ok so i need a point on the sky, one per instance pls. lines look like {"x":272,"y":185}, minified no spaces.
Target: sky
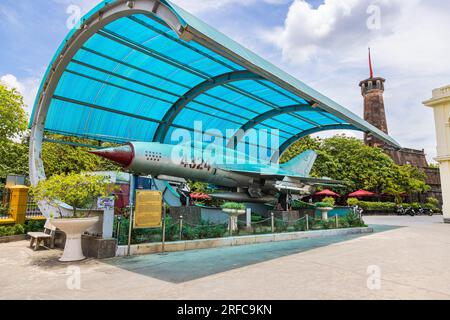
{"x":322,"y":42}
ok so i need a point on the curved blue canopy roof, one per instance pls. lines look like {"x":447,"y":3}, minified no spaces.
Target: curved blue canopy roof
{"x":137,"y":70}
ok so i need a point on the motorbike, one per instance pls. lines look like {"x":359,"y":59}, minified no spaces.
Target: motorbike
{"x":426,"y":212}
{"x":406,"y":212}
{"x":358,"y":210}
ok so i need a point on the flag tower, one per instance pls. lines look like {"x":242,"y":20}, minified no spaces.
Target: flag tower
{"x":372,"y":89}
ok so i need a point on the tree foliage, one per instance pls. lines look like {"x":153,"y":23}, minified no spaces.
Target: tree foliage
{"x":13,"y":158}
{"x":359,"y":166}
{"x":77,"y":190}
{"x":13,"y":122}
{"x":13,"y":116}
{"x":63,"y":159}
{"x":58,"y":158}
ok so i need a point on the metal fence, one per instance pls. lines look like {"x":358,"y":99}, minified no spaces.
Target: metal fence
{"x":182,"y":230}
{"x":33,"y":211}
{"x":4,"y":204}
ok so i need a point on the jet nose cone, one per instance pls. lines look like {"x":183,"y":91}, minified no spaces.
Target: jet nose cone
{"x":123,"y":155}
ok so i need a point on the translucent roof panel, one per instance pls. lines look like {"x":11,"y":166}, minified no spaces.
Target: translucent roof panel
{"x":141,"y":69}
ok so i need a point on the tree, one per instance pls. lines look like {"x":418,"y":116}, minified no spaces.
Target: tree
{"x":13,"y":158}
{"x":13,"y":146}
{"x":12,"y":114}
{"x":307,"y":143}
{"x":359,"y":166}
{"x":60,"y":158}
{"x":77,"y":190}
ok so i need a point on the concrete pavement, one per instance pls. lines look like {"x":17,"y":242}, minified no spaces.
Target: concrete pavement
{"x":409,"y":254}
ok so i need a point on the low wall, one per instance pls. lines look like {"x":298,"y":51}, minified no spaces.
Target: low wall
{"x":380,"y":213}
{"x":339,"y":211}
{"x":8,"y":239}
{"x":236,"y":241}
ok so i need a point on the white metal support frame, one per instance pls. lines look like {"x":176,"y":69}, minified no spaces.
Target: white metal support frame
{"x":92,"y":25}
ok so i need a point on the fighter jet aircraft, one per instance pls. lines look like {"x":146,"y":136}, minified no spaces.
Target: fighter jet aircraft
{"x":247,"y":179}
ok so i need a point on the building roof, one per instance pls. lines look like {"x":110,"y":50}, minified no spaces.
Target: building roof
{"x":138,"y":70}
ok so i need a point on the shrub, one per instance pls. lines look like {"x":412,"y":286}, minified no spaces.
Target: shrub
{"x":172,"y":229}
{"x":298,"y":205}
{"x":301,"y":224}
{"x":77,"y":190}
{"x":326,"y":224}
{"x":433,"y":204}
{"x":256,"y":218}
{"x":323,"y":205}
{"x":352,"y":202}
{"x":377,"y":206}
{"x":281,"y":226}
{"x":352,"y":220}
{"x":7,"y":231}
{"x":189,"y":233}
{"x":343,"y":223}
{"x":17,"y":229}
{"x":414,"y":205}
{"x":2,"y":231}
{"x":233,"y":206}
{"x":138,"y":235}
{"x":385,"y":206}
{"x":205,"y":230}
{"x":34,"y":226}
{"x":329,"y":200}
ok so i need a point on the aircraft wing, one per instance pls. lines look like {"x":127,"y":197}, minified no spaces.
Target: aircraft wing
{"x":322,"y":182}
{"x":253,"y":170}
{"x":271,"y":172}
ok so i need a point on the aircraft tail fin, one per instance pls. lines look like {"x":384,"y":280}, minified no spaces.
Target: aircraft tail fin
{"x":302,"y":164}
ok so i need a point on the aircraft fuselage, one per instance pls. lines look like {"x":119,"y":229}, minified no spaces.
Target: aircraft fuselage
{"x":161,"y":159}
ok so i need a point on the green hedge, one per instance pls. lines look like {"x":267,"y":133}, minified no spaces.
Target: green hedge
{"x":323,"y":205}
{"x":377,"y":206}
{"x":389,"y":206}
{"x":298,"y":205}
{"x":12,"y":230}
{"x":350,"y":220}
{"x":233,"y":206}
{"x":204,"y":230}
{"x":18,"y":229}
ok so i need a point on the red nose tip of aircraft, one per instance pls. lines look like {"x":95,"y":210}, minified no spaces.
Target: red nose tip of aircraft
{"x":123,"y":155}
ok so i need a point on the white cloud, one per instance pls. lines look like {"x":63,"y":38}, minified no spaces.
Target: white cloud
{"x":337,"y":24}
{"x":327,"y":48}
{"x":28,"y":88}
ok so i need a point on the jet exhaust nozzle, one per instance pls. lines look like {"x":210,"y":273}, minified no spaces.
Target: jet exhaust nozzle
{"x":123,"y":155}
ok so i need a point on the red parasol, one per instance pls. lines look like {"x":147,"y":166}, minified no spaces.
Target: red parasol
{"x":200,"y":196}
{"x":327,"y":193}
{"x":361,"y":194}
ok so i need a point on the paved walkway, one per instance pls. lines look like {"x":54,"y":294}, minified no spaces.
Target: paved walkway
{"x":411,"y":255}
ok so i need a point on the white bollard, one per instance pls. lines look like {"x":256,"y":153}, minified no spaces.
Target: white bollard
{"x":249,"y":218}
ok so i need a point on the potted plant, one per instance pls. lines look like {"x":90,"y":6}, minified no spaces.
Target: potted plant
{"x":80,"y":191}
{"x":325,"y":207}
{"x":233,"y":210}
